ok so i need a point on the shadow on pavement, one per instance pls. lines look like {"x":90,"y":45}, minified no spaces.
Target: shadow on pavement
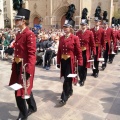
{"x":47,"y":95}
{"x":111,"y":104}
{"x":48,"y":78}
{"x":5,"y":111}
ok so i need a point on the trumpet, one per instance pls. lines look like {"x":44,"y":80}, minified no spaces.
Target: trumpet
{"x":26,"y":96}
{"x":112,"y":47}
{"x":76,"y":72}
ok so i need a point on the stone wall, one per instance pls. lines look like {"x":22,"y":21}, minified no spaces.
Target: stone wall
{"x":52,"y":11}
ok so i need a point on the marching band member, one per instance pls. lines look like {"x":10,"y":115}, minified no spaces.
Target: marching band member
{"x":98,"y":33}
{"x":86,"y":42}
{"x":25,"y":48}
{"x":69,"y":47}
{"x":113,"y":47}
{"x":118,"y":35}
{"x":108,"y":36}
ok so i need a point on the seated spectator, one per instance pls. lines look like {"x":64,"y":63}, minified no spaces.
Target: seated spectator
{"x":42,"y":45}
{"x":38,"y":39}
{"x":10,"y":49}
{"x":5,"y":42}
{"x":0,"y":41}
{"x":51,"y":52}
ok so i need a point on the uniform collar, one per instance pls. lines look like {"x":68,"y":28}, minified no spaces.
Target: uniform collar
{"x":22,"y":30}
{"x":84,"y":30}
{"x":97,"y":28}
{"x":68,"y":35}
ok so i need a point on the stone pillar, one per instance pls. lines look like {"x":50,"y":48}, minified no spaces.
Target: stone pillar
{"x":111,"y":11}
{"x":81,"y":7}
{"x":1,"y":14}
{"x":26,"y":5}
{"x":51,"y":19}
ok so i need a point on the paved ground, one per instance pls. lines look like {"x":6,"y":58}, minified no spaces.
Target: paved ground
{"x":99,"y":99}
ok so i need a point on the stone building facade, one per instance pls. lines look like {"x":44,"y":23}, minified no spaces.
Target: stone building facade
{"x":1,"y":14}
{"x":51,"y":13}
{"x":9,"y":13}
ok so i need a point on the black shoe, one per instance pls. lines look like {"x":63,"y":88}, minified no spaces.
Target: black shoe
{"x":110,"y":62}
{"x":96,"y":75}
{"x":82,"y":83}
{"x":103,"y":66}
{"x":31,"y":111}
{"x":62,"y":102}
{"x":70,"y":94}
{"x":92,"y":74}
{"x":21,"y":118}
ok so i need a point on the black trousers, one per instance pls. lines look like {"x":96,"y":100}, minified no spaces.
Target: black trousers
{"x":67,"y":85}
{"x":111,"y":57}
{"x":83,"y":71}
{"x":105,"y":55}
{"x":21,"y":103}
{"x":48,"y":56}
{"x":96,"y":63}
{"x":22,"y":106}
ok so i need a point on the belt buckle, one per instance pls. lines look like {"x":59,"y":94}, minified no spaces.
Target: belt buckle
{"x":83,"y":48}
{"x":96,"y":45}
{"x":106,"y":41}
{"x":65,"y":57}
{"x":17,"y":60}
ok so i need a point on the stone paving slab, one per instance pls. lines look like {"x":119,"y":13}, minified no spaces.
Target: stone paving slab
{"x":99,"y":99}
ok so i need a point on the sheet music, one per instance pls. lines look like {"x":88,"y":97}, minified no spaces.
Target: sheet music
{"x":16,"y":86}
{"x":72,"y":75}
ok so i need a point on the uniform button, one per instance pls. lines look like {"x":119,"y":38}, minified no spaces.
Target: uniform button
{"x":31,"y":34}
{"x":63,"y":49}
{"x":17,"y":55}
{"x":31,"y":38}
{"x":63,"y":45}
{"x":66,"y":53}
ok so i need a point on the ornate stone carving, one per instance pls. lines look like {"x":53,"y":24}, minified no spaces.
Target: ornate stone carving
{"x":35,"y":6}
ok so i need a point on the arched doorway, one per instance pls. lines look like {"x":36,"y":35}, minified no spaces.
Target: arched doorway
{"x":36,"y":21}
{"x":63,"y":20}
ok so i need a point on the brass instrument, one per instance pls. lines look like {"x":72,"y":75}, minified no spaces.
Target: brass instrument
{"x":92,"y":61}
{"x":112,"y":47}
{"x":76,"y":72}
{"x":26,"y":96}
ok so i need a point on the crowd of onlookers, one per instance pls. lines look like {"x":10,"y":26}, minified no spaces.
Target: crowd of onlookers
{"x":47,"y":42}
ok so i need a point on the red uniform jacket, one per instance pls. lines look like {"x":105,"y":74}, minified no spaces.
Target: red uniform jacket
{"x":115,"y":33}
{"x":108,"y":36}
{"x":70,"y":46}
{"x":25,"y":47}
{"x":118,"y":35}
{"x":99,"y":40}
{"x":87,"y":40}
